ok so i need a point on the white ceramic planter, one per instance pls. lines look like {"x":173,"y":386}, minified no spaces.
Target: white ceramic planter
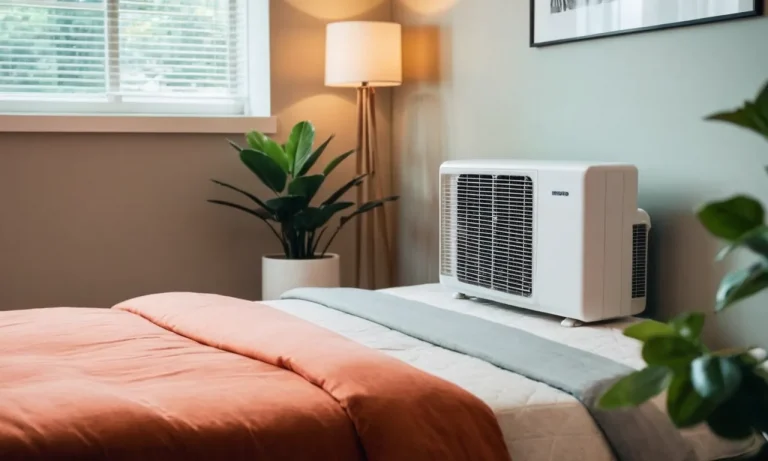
{"x":279,"y":275}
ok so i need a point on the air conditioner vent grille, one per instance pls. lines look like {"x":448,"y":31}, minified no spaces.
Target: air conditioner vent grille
{"x":494,"y":232}
{"x":639,"y":260}
{"x":447,"y":228}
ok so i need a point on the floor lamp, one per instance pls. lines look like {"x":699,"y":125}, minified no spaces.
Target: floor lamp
{"x":366,"y":55}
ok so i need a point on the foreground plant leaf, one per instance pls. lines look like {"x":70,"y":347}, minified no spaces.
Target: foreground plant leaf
{"x":716,"y":378}
{"x":732,"y":218}
{"x":731,"y":419}
{"x":636,"y":388}
{"x":648,"y":329}
{"x":752,"y":115}
{"x":685,"y":406}
{"x":742,"y":284}
{"x":756,"y":240}
{"x":673,"y":351}
{"x":689,"y":325}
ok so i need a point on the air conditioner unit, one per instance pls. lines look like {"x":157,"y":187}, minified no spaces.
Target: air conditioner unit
{"x":557,"y":237}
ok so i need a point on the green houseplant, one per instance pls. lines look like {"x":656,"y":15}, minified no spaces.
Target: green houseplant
{"x":727,"y":389}
{"x":297,"y":220}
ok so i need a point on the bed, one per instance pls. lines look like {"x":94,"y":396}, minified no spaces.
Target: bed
{"x":243,"y":400}
{"x":538,"y":422}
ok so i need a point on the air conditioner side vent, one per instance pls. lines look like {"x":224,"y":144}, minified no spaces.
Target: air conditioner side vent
{"x":639,"y":260}
{"x":447,"y":225}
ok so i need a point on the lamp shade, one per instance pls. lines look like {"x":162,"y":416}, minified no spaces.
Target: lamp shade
{"x":360,"y":52}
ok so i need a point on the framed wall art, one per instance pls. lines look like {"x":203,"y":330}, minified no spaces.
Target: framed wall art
{"x":560,"y":21}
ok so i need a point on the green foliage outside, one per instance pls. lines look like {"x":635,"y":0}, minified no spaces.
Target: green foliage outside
{"x":164,"y":46}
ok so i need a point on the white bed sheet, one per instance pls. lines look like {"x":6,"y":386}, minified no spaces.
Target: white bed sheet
{"x":539,"y":423}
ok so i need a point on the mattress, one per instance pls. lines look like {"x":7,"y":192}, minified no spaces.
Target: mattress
{"x":539,"y":423}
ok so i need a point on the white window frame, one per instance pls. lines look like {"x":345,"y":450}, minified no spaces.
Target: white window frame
{"x":84,"y":117}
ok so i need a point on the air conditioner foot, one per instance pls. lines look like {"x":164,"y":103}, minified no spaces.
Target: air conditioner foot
{"x":571,"y":323}
{"x":460,"y":296}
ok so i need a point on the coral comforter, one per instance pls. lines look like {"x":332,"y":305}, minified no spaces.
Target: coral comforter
{"x":185,"y":376}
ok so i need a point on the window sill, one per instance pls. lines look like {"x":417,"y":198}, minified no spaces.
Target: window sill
{"x":134,"y":124}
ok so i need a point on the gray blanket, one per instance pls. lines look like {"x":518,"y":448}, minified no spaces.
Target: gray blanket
{"x":638,"y":434}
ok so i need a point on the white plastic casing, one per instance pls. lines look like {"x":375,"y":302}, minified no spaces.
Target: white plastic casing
{"x":583,"y":221}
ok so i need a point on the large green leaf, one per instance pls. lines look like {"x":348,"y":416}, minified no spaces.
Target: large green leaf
{"x":299,"y":145}
{"x":762,"y":101}
{"x":344,"y":189}
{"x":336,"y":162}
{"x":265,"y":168}
{"x":256,"y":140}
{"x":689,"y":325}
{"x":366,"y":207}
{"x":264,"y":215}
{"x":636,"y":388}
{"x":672,"y":351}
{"x":277,"y":154}
{"x":306,"y":186}
{"x":732,"y":218}
{"x":313,"y":218}
{"x":742,"y":284}
{"x":752,"y":115}
{"x":759,"y":119}
{"x":286,"y":207}
{"x":756,"y":240}
{"x":247,"y":194}
{"x":685,"y":406}
{"x":716,"y":378}
{"x":260,"y":142}
{"x":309,"y":219}
{"x":309,"y":162}
{"x":747,"y":117}
{"x":648,"y":329}
{"x":235,"y":145}
{"x":334,"y":208}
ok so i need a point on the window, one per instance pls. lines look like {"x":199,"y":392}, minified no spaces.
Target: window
{"x":172,"y":57}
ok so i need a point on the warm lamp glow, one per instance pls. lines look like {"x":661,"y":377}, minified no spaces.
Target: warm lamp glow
{"x":429,"y":7}
{"x":359,"y":52}
{"x":421,"y":54}
{"x":335,"y":10}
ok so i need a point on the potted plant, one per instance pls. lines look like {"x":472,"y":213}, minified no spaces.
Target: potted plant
{"x":290,"y":214}
{"x":727,"y":389}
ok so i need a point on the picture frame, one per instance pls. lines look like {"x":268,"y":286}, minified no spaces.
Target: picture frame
{"x":568,"y":12}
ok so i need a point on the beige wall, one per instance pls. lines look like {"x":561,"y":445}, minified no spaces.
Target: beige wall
{"x":637,"y":98}
{"x":92,"y":219}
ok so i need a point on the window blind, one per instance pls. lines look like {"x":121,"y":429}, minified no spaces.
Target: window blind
{"x":125,"y":56}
